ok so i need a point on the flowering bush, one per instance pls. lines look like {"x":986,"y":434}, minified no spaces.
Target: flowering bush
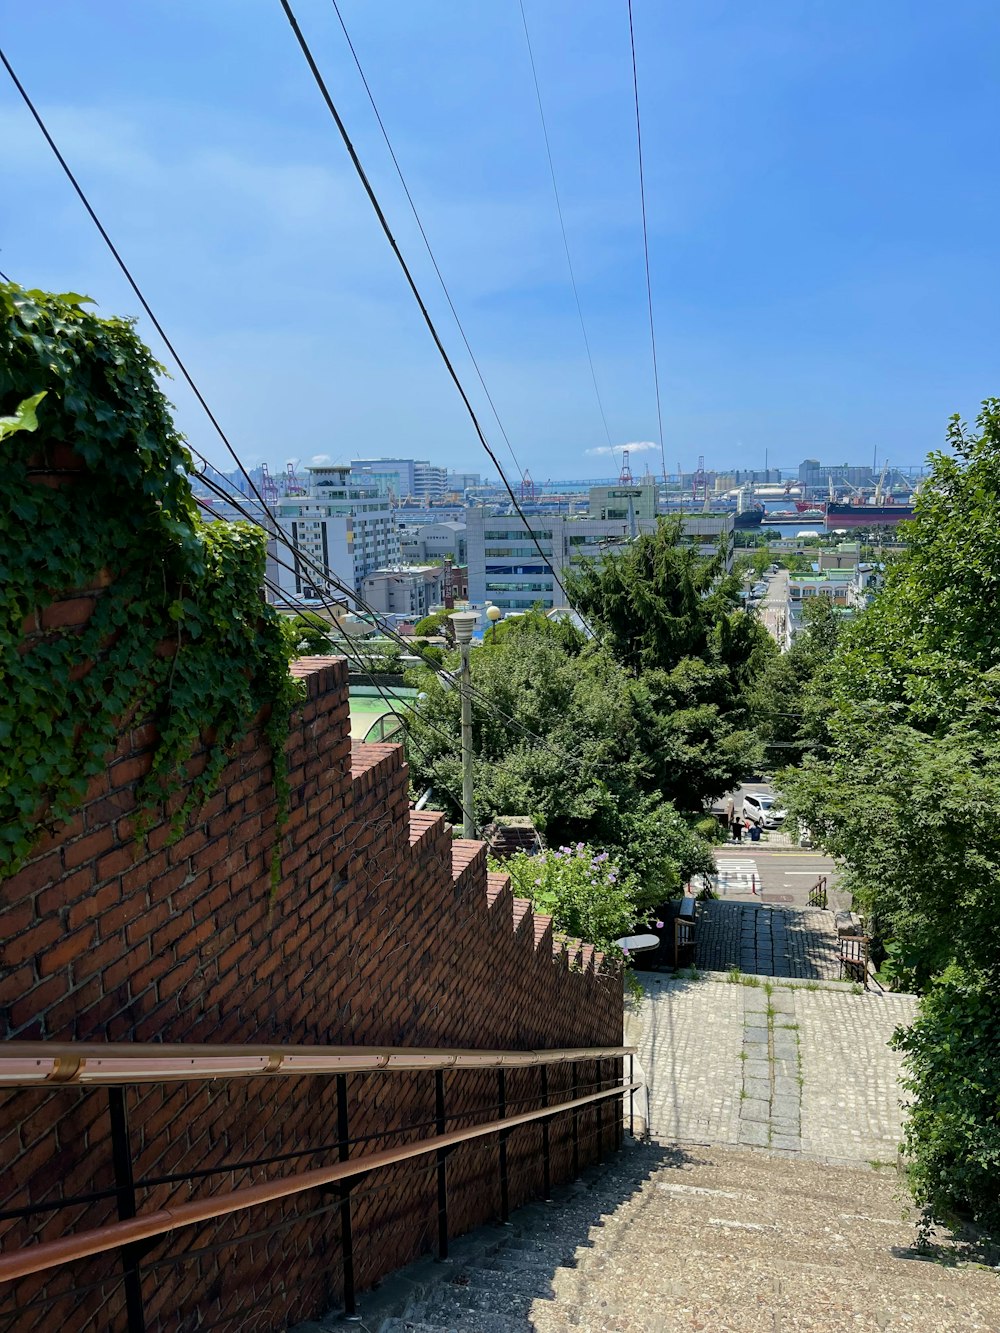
{"x":585,"y":893}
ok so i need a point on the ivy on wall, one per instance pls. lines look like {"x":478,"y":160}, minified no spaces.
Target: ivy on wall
{"x":179,"y":637}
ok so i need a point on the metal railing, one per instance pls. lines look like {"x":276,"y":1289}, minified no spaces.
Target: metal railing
{"x":34,"y":1065}
{"x":818,"y":893}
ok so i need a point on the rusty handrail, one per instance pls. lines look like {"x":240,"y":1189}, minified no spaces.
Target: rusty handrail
{"x":31,"y":1064}
{"x":51,"y":1253}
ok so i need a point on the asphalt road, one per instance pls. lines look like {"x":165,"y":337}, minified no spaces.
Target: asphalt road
{"x":774,"y":607}
{"x":751,"y":871}
{"x":776,"y":866}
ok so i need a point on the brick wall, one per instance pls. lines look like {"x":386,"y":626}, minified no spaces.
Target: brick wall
{"x":383,"y":930}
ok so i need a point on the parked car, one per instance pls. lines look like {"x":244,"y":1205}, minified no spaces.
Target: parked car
{"x":763,"y":810}
{"x":759,"y":590}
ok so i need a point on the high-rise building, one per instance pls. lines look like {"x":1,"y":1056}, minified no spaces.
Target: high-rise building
{"x":346,"y":529}
{"x":403,"y":478}
{"x":505,"y":566}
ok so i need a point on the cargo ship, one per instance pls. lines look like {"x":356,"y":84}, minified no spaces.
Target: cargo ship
{"x":846,"y":515}
{"x":752,"y":517}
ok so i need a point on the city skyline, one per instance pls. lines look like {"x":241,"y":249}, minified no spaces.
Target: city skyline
{"x":817,"y":290}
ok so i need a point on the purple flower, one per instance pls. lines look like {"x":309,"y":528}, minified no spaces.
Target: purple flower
{"x":659,"y":924}
{"x":579,"y":846}
{"x":625,"y":951}
{"x":612,"y":878}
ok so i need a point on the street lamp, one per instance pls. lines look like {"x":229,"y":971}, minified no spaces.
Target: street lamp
{"x":463,"y":623}
{"x":493,"y":614}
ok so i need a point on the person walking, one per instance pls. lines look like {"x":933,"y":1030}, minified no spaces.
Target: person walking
{"x":732,"y":821}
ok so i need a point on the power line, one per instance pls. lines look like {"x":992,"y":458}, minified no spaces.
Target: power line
{"x":328,"y":577}
{"x":126,"y":271}
{"x":176,"y":356}
{"x":645,"y":243}
{"x":562,"y":228}
{"x":278,"y":530}
{"x":427,"y":244}
{"x":383,"y":223}
{"x":352,"y":654}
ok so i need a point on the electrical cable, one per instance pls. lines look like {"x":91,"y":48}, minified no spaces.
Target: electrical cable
{"x":562,"y":228}
{"x":432,"y":329}
{"x":427,"y":244}
{"x":196,"y":391}
{"x":354,"y":656}
{"x":278,"y":530}
{"x":645,"y":244}
{"x":126,"y":271}
{"x":386,"y":629}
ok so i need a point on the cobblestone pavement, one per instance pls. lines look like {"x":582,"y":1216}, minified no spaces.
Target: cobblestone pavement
{"x":690,"y":1034}
{"x":850,"y":1098}
{"x":772,"y":1066}
{"x":768,"y":940}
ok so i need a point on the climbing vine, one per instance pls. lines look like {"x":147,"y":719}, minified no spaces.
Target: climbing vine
{"x":179,"y":635}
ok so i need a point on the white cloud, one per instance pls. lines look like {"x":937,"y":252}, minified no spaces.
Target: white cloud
{"x":635,"y":447}
{"x":319,"y":459}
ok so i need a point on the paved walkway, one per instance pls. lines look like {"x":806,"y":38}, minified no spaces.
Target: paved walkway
{"x":771,"y":940}
{"x":767,"y":1065}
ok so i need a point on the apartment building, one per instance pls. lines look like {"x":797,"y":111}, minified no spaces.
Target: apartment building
{"x":407,"y":592}
{"x":347,"y":529}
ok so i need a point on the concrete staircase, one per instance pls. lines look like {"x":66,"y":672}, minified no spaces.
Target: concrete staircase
{"x":725,"y":1240}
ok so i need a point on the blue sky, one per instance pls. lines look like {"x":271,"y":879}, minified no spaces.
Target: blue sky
{"x":823,"y":186}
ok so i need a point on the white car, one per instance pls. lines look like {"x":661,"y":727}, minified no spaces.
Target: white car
{"x":763,"y":810}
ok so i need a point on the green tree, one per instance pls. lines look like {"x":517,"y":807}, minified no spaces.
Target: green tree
{"x":308,"y":635}
{"x":672,"y":618}
{"x":597,"y":776}
{"x":906,"y":795}
{"x":435,"y":623}
{"x":790,"y":699}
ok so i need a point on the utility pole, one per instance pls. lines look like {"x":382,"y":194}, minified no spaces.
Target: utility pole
{"x":464,"y":621}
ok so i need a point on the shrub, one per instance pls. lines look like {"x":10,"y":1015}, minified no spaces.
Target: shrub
{"x":952,"y":1135}
{"x":584,"y":892}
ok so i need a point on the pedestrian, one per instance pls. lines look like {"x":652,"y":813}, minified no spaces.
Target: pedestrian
{"x":730,"y":817}
{"x":737,"y":830}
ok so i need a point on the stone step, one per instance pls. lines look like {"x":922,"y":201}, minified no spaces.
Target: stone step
{"x":475,"y":1311}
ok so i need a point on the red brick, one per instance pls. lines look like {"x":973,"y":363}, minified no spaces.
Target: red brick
{"x":88,"y":848}
{"x":40,"y":937}
{"x":74,"y":611}
{"x":37,"y":874}
{"x":68,"y":950}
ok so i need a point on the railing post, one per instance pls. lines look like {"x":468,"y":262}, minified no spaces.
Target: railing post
{"x":619,"y":1121}
{"x":442,"y":1166}
{"x":502,"y":1111}
{"x":546,"y":1160}
{"x":346,"y":1232}
{"x":600,"y":1111}
{"x":576,"y":1126}
{"x":631,"y":1096}
{"x":121,"y":1152}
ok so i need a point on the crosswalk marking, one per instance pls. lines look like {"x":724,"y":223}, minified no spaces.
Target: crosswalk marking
{"x":737,"y":874}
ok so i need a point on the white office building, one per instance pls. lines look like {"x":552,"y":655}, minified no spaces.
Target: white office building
{"x":505,"y":566}
{"x":401,"y":478}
